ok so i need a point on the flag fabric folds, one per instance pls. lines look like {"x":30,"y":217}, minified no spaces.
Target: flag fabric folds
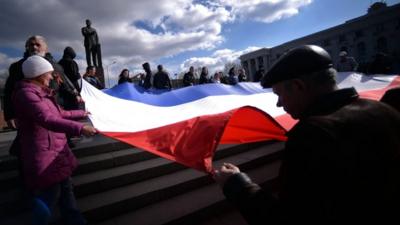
{"x":186,"y":125}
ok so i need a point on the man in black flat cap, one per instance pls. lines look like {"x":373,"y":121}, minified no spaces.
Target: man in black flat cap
{"x":341,"y":162}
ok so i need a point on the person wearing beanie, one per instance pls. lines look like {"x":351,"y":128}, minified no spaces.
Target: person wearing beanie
{"x":34,"y":45}
{"x":341,"y":161}
{"x":35,"y":66}
{"x":47,"y":161}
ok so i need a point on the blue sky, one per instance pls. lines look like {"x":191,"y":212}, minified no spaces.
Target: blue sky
{"x":176,"y":33}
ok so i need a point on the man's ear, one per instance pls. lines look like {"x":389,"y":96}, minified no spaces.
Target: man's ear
{"x":299,"y":85}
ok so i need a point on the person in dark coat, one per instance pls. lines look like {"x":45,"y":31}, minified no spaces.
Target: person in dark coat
{"x":68,"y":95}
{"x":232,"y":77}
{"x":90,"y":77}
{"x":71,"y":69}
{"x":204,"y":76}
{"x":242,"y":75}
{"x":341,"y":162}
{"x":188,"y":78}
{"x":346,"y":63}
{"x":161,"y":79}
{"x":65,"y":93}
{"x":34,"y":45}
{"x":147,"y":79}
{"x":124,"y":77}
{"x":46,"y":159}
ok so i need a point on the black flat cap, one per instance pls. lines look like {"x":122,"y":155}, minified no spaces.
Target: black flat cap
{"x":296,"y":63}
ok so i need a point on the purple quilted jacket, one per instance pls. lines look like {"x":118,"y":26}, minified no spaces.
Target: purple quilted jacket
{"x":42,"y":126}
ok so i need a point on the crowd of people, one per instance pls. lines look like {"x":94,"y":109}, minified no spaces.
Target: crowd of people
{"x":161,"y":79}
{"x":380,"y":64}
{"x":341,"y":162}
{"x":43,"y":103}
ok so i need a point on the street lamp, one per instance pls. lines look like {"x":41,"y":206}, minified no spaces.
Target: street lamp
{"x":108,"y":73}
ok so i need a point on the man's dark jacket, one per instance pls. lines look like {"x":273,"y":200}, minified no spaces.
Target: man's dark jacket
{"x":66,"y":92}
{"x":188,"y":79}
{"x":161,"y":80}
{"x":341,"y":165}
{"x":70,"y":67}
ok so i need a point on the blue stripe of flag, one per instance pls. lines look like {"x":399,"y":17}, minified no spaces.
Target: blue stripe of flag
{"x":154,"y":97}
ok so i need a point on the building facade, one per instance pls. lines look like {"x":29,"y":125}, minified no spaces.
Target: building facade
{"x":363,"y":37}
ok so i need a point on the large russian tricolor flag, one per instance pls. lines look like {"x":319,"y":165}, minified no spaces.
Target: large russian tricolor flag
{"x":186,"y":125}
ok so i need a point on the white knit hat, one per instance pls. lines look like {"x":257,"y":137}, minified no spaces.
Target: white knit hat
{"x":35,"y":66}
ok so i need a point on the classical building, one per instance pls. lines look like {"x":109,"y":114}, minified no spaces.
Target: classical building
{"x":363,"y":37}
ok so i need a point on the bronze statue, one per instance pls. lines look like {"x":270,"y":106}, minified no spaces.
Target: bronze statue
{"x":92,"y":45}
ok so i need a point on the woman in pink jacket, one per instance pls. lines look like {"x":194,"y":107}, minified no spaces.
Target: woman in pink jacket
{"x":46,"y":158}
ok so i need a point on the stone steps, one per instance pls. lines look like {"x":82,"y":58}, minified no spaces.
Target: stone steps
{"x":192,"y":206}
{"x":115,"y":180}
{"x":130,"y":197}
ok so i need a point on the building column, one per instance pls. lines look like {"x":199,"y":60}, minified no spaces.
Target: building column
{"x":257,"y":65}
{"x":250,"y":70}
{"x":266,"y":64}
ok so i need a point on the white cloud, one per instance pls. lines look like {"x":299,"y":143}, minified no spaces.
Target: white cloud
{"x":174,"y":27}
{"x":5,"y":63}
{"x":198,"y":17}
{"x":266,"y":11}
{"x":217,"y":60}
{"x":60,"y":23}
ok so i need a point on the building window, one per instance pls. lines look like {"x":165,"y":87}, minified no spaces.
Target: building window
{"x":359,"y":34}
{"x":381,"y":45}
{"x":260,"y":60}
{"x":252,"y":62}
{"x":342,"y":38}
{"x":379,"y":29}
{"x":361,"y":51}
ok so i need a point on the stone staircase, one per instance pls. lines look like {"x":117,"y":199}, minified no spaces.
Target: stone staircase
{"x":120,"y":185}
